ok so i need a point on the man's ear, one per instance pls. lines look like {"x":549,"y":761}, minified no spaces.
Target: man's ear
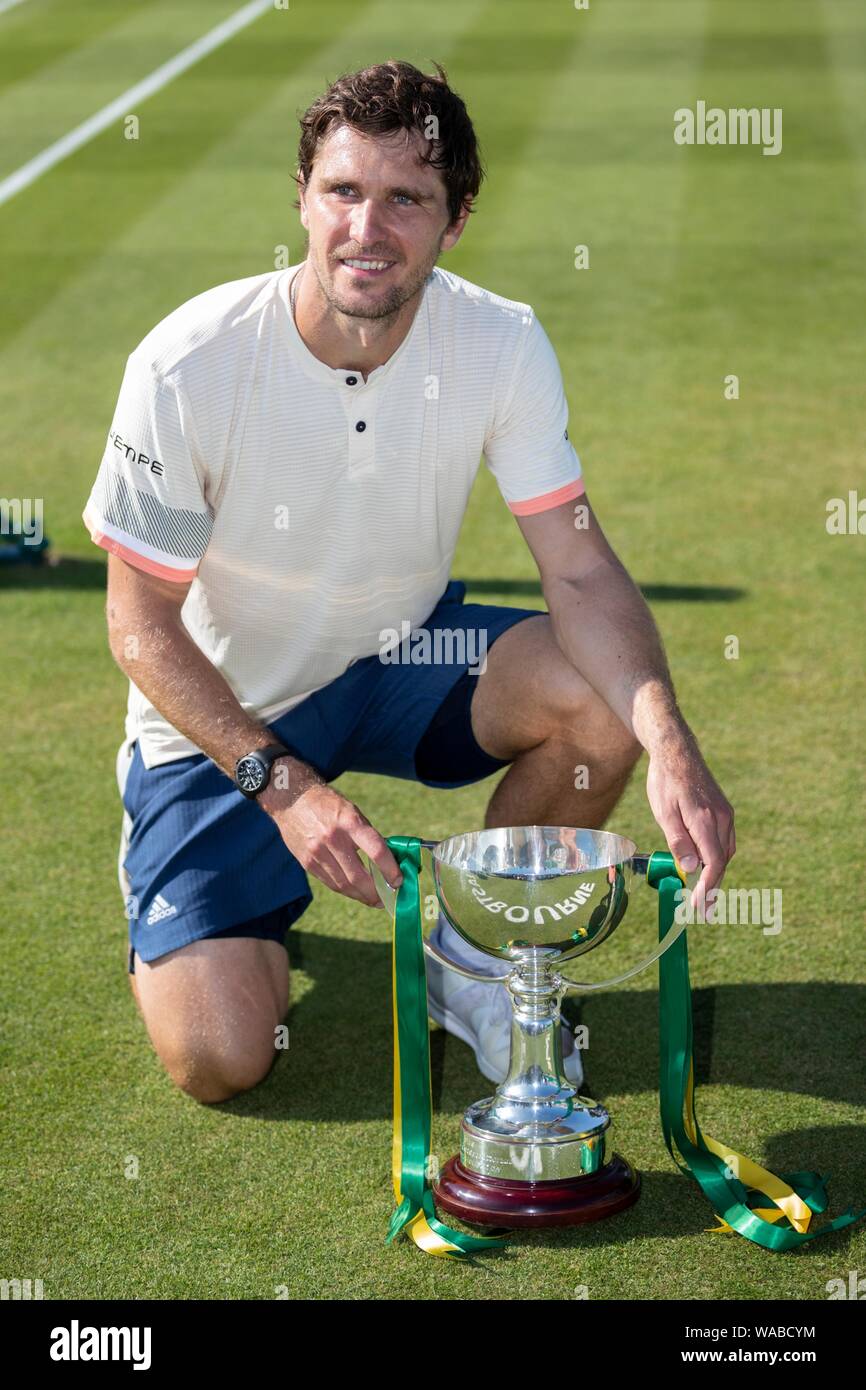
{"x":453,"y":233}
{"x":302,"y":197}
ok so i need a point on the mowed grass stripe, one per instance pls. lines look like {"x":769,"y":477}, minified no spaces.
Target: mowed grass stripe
{"x":53,"y":231}
{"x":46,"y":32}
{"x":782,"y":307}
{"x":91,"y":71}
{"x":845,"y":37}
{"x":120,"y":106}
{"x":586,"y":165}
{"x":767,"y":270}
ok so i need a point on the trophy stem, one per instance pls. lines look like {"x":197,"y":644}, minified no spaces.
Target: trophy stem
{"x":535,"y":1070}
{"x":537,"y":1152}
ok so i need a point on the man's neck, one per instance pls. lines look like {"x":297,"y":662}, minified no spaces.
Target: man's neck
{"x":344,"y":341}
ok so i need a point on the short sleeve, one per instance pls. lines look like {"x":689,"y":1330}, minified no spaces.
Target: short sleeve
{"x":528,"y":449}
{"x":148,"y":503}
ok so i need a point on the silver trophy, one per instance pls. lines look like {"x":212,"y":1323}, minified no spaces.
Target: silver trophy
{"x":537,"y":899}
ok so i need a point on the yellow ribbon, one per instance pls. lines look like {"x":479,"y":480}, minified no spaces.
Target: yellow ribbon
{"x":751,"y":1174}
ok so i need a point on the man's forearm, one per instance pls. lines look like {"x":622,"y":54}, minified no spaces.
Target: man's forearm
{"x":604,"y":627}
{"x":161,"y":659}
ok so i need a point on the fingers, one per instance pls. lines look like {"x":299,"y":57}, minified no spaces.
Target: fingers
{"x":370,"y":841}
{"x":710,"y":852}
{"x":355,"y":832}
{"x":323,"y":866}
{"x":330,"y":846}
{"x":704,"y":835}
{"x":335,"y":861}
{"x":680,"y":842}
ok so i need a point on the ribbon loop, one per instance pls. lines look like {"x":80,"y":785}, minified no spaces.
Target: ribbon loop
{"x":725,"y":1176}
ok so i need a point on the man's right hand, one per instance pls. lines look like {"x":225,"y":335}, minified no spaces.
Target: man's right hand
{"x":324,"y":831}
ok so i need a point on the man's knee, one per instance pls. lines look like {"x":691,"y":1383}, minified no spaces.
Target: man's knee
{"x":588,"y":724}
{"x":622,"y":748}
{"x":216,"y":1073}
{"x":214,"y":1010}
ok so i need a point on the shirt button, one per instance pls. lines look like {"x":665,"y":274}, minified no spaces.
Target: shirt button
{"x":360,"y":427}
{"x":351,"y":381}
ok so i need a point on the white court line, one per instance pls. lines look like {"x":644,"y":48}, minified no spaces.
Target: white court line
{"x":9,"y":5}
{"x":121,"y":106}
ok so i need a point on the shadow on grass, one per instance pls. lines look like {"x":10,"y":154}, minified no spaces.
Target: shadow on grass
{"x":72,"y":572}
{"x":672,"y":1204}
{"x":799,"y":1039}
{"x":803,"y":1039}
{"x":69,"y":572}
{"x":653,"y":593}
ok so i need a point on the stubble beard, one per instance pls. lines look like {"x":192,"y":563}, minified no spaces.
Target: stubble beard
{"x":384,"y":306}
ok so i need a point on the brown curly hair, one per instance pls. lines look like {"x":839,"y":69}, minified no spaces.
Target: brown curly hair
{"x":397,"y":96}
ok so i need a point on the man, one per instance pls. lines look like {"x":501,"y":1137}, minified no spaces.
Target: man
{"x":281,"y":494}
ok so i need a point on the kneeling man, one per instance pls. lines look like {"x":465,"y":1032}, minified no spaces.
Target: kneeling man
{"x":281,"y":494}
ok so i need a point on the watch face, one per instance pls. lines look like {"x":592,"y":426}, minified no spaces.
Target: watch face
{"x":250,"y":774}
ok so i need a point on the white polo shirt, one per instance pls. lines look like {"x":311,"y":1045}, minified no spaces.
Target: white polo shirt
{"x":313,"y":510}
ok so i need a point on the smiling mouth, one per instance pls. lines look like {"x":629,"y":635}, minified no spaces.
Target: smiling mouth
{"x":366,"y":267}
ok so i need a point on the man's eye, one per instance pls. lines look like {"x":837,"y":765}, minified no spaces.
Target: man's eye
{"x":349,"y":188}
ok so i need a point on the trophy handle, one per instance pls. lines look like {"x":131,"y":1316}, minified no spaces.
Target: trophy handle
{"x":464,"y":970}
{"x":574,"y":987}
{"x":639,"y":865}
{"x":388,"y":896}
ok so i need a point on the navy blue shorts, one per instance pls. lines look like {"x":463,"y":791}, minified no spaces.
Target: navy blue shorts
{"x":203,"y":860}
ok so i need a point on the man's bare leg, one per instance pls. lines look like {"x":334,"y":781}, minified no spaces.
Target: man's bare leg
{"x":212,"y":1010}
{"x":533,"y":706}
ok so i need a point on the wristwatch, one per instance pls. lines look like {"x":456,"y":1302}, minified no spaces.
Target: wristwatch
{"x":253,"y":772}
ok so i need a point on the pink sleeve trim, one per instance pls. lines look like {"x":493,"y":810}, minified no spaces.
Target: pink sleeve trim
{"x":548,"y":499}
{"x":132,"y":557}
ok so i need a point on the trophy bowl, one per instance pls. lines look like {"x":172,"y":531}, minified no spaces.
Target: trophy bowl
{"x":533,"y":898}
{"x":557,"y":890}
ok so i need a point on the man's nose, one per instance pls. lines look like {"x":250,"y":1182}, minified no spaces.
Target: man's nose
{"x":366,"y":224}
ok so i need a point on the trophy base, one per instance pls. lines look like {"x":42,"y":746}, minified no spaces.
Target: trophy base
{"x":482,"y":1201}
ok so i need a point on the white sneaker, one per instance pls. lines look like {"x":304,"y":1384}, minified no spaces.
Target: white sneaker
{"x":480,"y":1015}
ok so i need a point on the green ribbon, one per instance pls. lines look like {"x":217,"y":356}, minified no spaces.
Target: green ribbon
{"x":728,"y":1195}
{"x":412,"y":1048}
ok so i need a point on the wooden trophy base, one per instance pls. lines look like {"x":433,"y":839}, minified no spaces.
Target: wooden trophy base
{"x":482,"y":1201}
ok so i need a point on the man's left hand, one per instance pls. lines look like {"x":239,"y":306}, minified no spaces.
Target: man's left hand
{"x":693,"y":812}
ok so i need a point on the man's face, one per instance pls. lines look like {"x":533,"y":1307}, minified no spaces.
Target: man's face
{"x":370,"y":199}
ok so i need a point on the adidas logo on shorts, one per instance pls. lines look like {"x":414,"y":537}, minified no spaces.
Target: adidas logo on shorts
{"x":160,"y":909}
